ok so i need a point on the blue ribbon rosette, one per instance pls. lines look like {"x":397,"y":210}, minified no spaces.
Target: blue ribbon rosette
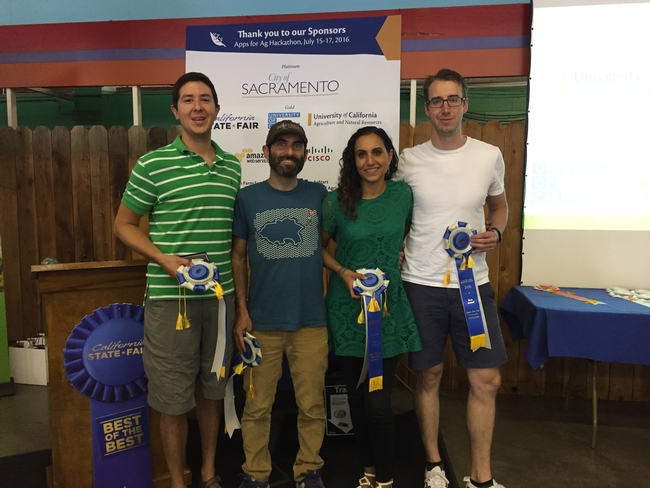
{"x":201,"y":276}
{"x":373,"y":300}
{"x":458,"y":246}
{"x":251,"y":358}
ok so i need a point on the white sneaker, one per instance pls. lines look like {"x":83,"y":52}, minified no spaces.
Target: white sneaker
{"x":435,"y":478}
{"x":469,"y":484}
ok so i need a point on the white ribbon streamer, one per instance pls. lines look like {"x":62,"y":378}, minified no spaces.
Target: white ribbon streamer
{"x":218,"y":365}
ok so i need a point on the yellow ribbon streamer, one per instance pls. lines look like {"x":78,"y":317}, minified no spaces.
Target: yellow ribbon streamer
{"x":218,"y":290}
{"x":376,"y":383}
{"x":477,"y":341}
{"x":182,"y":321}
{"x":447,"y":278}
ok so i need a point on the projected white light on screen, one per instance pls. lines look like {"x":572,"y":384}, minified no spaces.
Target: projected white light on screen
{"x":588,"y":163}
{"x":587,"y":189}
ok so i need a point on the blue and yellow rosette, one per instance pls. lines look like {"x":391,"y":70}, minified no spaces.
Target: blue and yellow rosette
{"x":202,"y":276}
{"x":459,"y":247}
{"x":251,"y":358}
{"x":373,"y":301}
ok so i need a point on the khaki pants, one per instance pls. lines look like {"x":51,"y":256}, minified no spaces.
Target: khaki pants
{"x":306,"y":350}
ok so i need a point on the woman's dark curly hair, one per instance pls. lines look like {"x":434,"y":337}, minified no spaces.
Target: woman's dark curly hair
{"x":349,"y":179}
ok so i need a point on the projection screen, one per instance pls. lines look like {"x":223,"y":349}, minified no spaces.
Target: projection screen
{"x":587,"y":188}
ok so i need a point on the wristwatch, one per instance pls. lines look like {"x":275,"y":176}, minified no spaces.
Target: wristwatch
{"x":498,"y":232}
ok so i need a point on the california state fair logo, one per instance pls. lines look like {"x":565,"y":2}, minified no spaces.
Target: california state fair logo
{"x":103,"y":355}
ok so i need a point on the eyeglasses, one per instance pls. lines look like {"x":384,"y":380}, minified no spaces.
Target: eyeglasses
{"x":453,"y":101}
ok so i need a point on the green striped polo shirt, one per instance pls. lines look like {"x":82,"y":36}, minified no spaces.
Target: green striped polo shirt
{"x":190,"y":207}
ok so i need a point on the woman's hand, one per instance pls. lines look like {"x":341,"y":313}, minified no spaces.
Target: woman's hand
{"x":347,"y":277}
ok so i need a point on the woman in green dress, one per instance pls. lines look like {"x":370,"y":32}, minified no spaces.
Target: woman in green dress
{"x":368,"y":216}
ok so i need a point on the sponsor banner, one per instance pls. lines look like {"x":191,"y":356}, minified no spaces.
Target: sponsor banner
{"x":340,"y":36}
{"x":332,"y":76}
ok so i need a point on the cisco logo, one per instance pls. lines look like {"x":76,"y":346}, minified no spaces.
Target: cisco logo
{"x":319,"y":154}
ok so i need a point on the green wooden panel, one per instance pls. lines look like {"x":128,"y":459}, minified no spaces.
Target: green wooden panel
{"x":94,"y":106}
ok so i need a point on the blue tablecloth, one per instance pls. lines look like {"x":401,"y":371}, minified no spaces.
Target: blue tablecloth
{"x":618,"y":331}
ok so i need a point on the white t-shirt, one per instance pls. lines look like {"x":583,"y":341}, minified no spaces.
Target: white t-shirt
{"x":448,"y":187}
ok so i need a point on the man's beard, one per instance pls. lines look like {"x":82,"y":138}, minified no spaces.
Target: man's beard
{"x":286,"y":172}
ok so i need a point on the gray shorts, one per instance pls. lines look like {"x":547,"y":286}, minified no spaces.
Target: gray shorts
{"x":439,"y":313}
{"x":179,"y":361}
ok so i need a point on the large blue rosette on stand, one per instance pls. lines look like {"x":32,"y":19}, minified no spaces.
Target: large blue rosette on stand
{"x":103,"y":361}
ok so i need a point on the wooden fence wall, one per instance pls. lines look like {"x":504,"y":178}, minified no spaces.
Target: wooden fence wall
{"x":60,"y":190}
{"x":59,"y":193}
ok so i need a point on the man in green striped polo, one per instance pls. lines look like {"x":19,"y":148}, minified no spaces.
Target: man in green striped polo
{"x":188,"y":191}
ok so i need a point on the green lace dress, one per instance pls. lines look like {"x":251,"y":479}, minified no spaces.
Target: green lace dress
{"x":373,"y":240}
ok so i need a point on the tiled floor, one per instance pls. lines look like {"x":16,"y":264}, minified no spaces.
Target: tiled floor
{"x":536,"y":444}
{"x":24,"y":421}
{"x":539,"y":445}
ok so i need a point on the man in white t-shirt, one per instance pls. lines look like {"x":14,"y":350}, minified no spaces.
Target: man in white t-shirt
{"x":452,"y":176}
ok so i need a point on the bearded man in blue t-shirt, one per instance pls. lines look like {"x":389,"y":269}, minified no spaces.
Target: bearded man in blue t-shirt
{"x":276,"y":230}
